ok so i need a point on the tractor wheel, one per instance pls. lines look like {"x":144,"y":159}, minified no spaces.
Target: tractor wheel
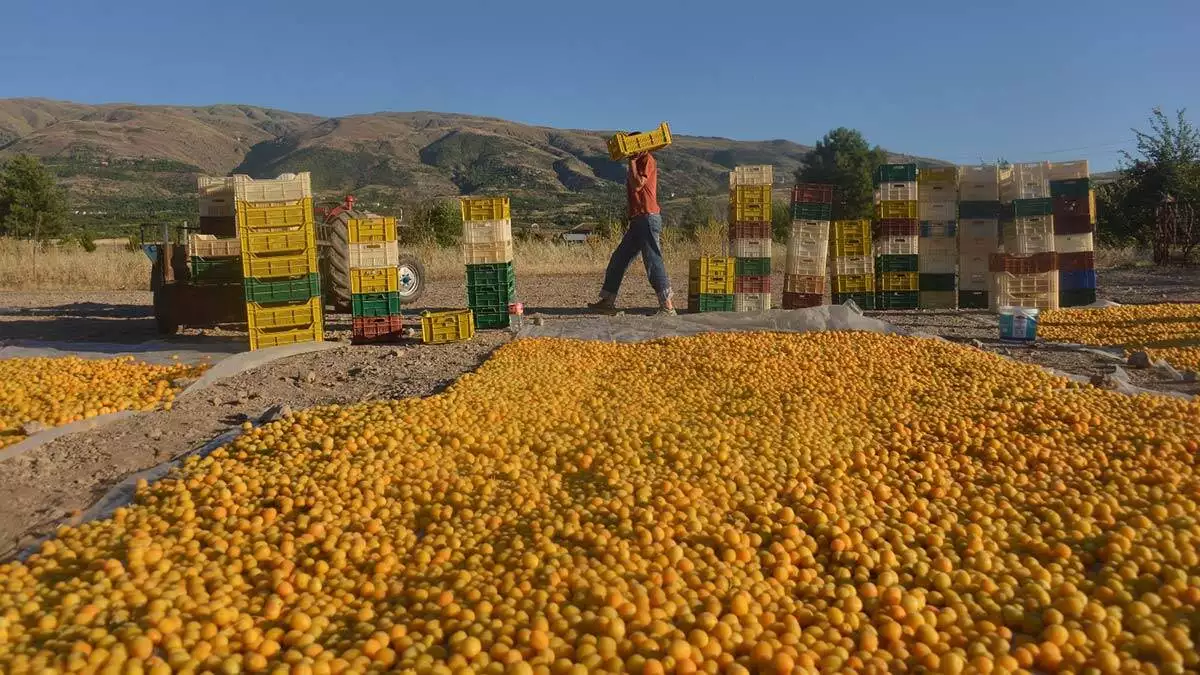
{"x":412,"y":278}
{"x":334,"y":241}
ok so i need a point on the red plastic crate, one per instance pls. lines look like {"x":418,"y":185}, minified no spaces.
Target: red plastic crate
{"x":1023,"y":264}
{"x":1077,"y":262}
{"x":754,"y":284}
{"x":898,"y":227}
{"x":1074,"y":224}
{"x":802,"y":300}
{"x":750,"y":229}
{"x":812,"y":193}
{"x":376,"y":329}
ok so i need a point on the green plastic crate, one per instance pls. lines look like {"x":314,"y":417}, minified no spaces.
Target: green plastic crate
{"x":206,"y":270}
{"x":938,"y":282}
{"x":1033,"y":207}
{"x":812,"y":211}
{"x":895,"y":173}
{"x":710,"y":302}
{"x":895,"y":263}
{"x":1074,"y":187}
{"x":752,"y":267}
{"x":863,"y":300}
{"x":490,"y":274}
{"x":492,"y":295}
{"x":270,"y":291}
{"x":972,"y":300}
{"x":973,"y":210}
{"x":375,"y":304}
{"x":491,"y":317}
{"x":1076,"y":298}
{"x":897,"y":300}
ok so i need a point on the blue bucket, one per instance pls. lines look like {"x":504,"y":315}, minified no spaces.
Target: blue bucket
{"x":1018,"y":323}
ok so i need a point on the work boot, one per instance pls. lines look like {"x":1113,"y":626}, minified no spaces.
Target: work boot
{"x":604,"y":306}
{"x":666,"y":311}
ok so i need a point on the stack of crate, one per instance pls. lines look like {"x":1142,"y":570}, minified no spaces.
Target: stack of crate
{"x":1074,"y":232}
{"x":978,"y":232}
{"x":1025,"y":274}
{"x":750,"y":236}
{"x":277,"y":237}
{"x":853,"y":265}
{"x":215,"y":260}
{"x":711,"y":283}
{"x":374,"y":280}
{"x":808,"y":246}
{"x":488,"y":251}
{"x":897,"y":233}
{"x":937,"y":249}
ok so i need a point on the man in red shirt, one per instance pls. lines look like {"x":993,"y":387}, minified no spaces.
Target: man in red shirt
{"x":644,"y":237}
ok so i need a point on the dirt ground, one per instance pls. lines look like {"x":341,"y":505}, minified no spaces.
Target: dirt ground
{"x":49,"y":485}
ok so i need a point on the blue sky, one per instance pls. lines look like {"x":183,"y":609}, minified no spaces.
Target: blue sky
{"x":961,"y":81}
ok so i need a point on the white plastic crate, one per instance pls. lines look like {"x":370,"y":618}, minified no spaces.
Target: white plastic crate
{"x":486,"y":231}
{"x":937,"y":192}
{"x":973,"y":274}
{"x":898,"y":245}
{"x":1029,"y":235}
{"x":751,"y":302}
{"x":937,"y":255}
{"x":939,"y":229}
{"x":979,"y":184}
{"x":1068,"y":170}
{"x":761,"y":174}
{"x":1028,"y":180}
{"x":903,"y":191}
{"x":209,"y":246}
{"x":1033,"y":291}
{"x":851,"y":265}
{"x":374,"y":254}
{"x":288,"y":187}
{"x":750,"y":248}
{"x":1074,"y":243}
{"x":494,"y":252}
{"x":812,"y":230}
{"x":937,"y":210}
{"x":979,"y":227}
{"x":806,"y":265}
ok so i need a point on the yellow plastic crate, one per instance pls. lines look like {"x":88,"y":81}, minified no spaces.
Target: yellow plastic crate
{"x":263,"y":338}
{"x":374,"y":280}
{"x":485,"y":208}
{"x":852,"y":230}
{"x":711,"y":274}
{"x":269,"y":266}
{"x":622,"y":145}
{"x":854,"y":283}
{"x":897,"y":209}
{"x":846,"y":246}
{"x":454,"y":325}
{"x":750,"y":203}
{"x":285,"y":241}
{"x":290,"y":315}
{"x":365,"y":230}
{"x":941,"y":174}
{"x":899,"y":281}
{"x":275,"y":216}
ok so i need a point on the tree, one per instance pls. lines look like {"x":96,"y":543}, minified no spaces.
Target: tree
{"x":781,"y":220}
{"x":31,"y":203}
{"x":698,"y":213}
{"x":844,"y":159}
{"x":439,"y":221}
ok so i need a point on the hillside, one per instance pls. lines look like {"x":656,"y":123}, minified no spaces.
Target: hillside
{"x":126,"y":163}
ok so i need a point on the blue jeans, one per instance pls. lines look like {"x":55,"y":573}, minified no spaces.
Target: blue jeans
{"x":644,"y":236}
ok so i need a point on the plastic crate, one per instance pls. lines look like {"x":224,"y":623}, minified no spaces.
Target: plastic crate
{"x":854,"y":283}
{"x":1077,"y":225}
{"x":1076,"y":188}
{"x":1023,"y":264}
{"x":751,"y":266}
{"x":750,"y":202}
{"x":1076,"y":280}
{"x":1065,"y":207}
{"x":937,"y":300}
{"x":1076,"y":298}
{"x":368,"y":230}
{"x":710,"y":302}
{"x":853,"y":230}
{"x":491,"y":274}
{"x":938,"y":229}
{"x":751,"y":302}
{"x":900,"y":191}
{"x":1033,"y":291}
{"x":898,"y":281}
{"x":979,"y":210}
{"x":814,"y":265}
{"x":496,"y":252}
{"x":863,"y":300}
{"x":491,"y":317}
{"x":1043,"y":206}
{"x":712,"y":275}
{"x":937,"y":193}
{"x":1074,"y":262}
{"x":750,"y":230}
{"x":262,"y":338}
{"x":988,"y":228}
{"x":897,"y":263}
{"x":484,"y":208}
{"x":219,"y":226}
{"x":1028,"y":180}
{"x":937,"y":282}
{"x":1068,"y":170}
{"x":365,"y":329}
{"x":210,"y":270}
{"x":854,"y":264}
{"x":623,"y":145}
{"x":229,"y":190}
{"x":898,"y":300}
{"x":757,"y":284}
{"x":897,"y":227}
{"x":374,"y":280}
{"x":938,"y":174}
{"x":282,"y":242}
{"x":1029,"y":235}
{"x":897,"y":245}
{"x":973,"y":300}
{"x":375,"y":304}
{"x":273,"y":266}
{"x":453,"y":325}
{"x":209,"y":246}
{"x":812,"y":193}
{"x":751,"y":248}
{"x":897,"y":209}
{"x":977,"y":245}
{"x":804,"y":283}
{"x":937,"y":255}
{"x":758,"y":174}
{"x":937,"y":210}
{"x":802,"y":300}
{"x":845,"y":246}
{"x":285,"y":316}
{"x":973,"y":278}
{"x":298,"y":289}
{"x":486,"y":231}
{"x":253,"y":217}
{"x":896,"y":173}
{"x":979,"y":184}
{"x":491,"y":295}
{"x":812,"y":211}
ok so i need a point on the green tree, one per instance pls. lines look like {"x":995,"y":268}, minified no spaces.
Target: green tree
{"x":31,"y":203}
{"x":697,"y":214}
{"x":781,"y":220}
{"x":438,"y":221}
{"x":844,"y":159}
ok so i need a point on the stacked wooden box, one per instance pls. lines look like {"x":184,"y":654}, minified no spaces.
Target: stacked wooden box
{"x":488,"y":251}
{"x":896,"y":236}
{"x":806,"y":265}
{"x":1074,"y":232}
{"x":374,"y":280}
{"x":978,"y":232}
{"x":937,"y":248}
{"x":750,"y":236}
{"x":1025,"y":274}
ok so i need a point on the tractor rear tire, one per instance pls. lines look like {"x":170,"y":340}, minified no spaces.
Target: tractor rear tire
{"x":334,"y":239}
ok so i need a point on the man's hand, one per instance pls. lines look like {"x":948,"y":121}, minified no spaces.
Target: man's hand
{"x":638,"y":179}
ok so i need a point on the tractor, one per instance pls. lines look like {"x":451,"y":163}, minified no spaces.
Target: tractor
{"x":333,"y":245}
